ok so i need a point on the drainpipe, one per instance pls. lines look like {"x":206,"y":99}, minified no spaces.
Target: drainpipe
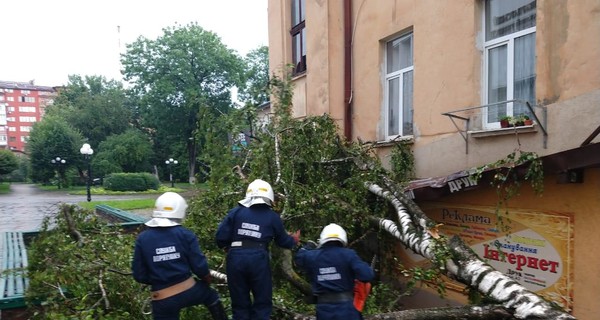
{"x":348,"y":69}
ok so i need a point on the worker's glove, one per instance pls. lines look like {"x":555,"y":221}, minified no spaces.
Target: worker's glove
{"x":296,"y":236}
{"x":207,"y":278}
{"x":309,"y":245}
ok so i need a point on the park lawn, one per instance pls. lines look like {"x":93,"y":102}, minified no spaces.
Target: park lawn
{"x":4,"y":187}
{"x":129,"y":204}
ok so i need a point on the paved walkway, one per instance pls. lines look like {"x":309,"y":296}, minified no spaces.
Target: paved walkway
{"x":24,"y":208}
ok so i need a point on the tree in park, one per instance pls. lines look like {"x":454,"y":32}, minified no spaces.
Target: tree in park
{"x":8,"y":162}
{"x":182,"y":80}
{"x":95,"y":106}
{"x":50,"y":138}
{"x":255,"y":90}
{"x":130,"y":151}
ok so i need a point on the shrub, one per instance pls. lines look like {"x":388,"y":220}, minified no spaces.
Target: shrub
{"x":131,"y":182}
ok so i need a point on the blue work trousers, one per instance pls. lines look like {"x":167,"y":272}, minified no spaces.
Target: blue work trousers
{"x":249,"y":271}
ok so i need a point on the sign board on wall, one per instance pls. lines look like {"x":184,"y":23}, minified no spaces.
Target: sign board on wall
{"x":534,"y":248}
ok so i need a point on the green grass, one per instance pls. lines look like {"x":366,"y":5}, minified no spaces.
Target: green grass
{"x":4,"y":187}
{"x":81,"y":190}
{"x":130,"y":204}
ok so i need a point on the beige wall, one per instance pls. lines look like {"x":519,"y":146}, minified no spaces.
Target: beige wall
{"x":447,"y":61}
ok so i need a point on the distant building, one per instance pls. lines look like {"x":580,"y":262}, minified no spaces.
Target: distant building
{"x":21,"y":105}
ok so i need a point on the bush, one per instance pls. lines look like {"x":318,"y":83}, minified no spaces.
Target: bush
{"x":131,"y":182}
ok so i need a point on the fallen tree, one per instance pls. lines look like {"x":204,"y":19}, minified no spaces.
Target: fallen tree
{"x":80,"y":267}
{"x":319,"y":178}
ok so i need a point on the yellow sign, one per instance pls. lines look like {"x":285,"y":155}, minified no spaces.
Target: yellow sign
{"x":534,"y":248}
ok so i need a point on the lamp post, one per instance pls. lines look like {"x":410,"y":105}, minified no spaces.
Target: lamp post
{"x":170,"y":164}
{"x":87,"y":151}
{"x":58,"y":161}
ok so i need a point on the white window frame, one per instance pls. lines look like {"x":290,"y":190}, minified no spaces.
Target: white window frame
{"x":509,"y":41}
{"x":398,"y":74}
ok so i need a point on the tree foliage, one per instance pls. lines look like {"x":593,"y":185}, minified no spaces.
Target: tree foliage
{"x":256,"y":89}
{"x":183,"y":74}
{"x":80,"y":269}
{"x":93,"y":105}
{"x":53,"y":137}
{"x":8,"y":162}
{"x":130,"y":151}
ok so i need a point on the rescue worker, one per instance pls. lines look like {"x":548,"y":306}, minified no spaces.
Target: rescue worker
{"x":333,"y":270}
{"x":245,"y":233}
{"x":166,"y":256}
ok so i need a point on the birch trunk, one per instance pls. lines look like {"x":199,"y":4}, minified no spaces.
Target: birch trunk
{"x":415,"y":230}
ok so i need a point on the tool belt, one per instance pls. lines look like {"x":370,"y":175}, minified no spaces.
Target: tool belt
{"x":335,"y":297}
{"x":249,"y":244}
{"x":174,"y":289}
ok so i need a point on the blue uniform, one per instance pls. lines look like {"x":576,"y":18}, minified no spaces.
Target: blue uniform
{"x":246,"y":233}
{"x":332,"y":271}
{"x":165,"y":256}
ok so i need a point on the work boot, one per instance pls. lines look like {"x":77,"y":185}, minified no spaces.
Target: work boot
{"x":217,"y":311}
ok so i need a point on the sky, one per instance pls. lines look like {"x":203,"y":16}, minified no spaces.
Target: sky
{"x":48,"y":40}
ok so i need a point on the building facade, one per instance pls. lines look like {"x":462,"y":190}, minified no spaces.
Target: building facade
{"x":441,"y":76}
{"x":21,"y":105}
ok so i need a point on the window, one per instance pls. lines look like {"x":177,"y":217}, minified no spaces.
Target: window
{"x":25,"y":129}
{"x":399,"y":87}
{"x":509,"y":58}
{"x":298,"y":33}
{"x":26,"y":109}
{"x":25,"y":92}
{"x":27,"y":119}
{"x":26,"y":99}
{"x":10,"y":98}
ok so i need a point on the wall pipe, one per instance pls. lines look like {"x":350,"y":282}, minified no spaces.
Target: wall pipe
{"x":348,"y":69}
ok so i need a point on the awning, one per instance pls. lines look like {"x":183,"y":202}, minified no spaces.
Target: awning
{"x":586,"y":156}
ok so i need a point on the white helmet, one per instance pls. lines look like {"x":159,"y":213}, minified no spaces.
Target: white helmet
{"x":169,"y":205}
{"x":259,"y":191}
{"x":333,"y":232}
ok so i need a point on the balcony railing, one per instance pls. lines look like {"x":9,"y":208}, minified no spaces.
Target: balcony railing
{"x":453,"y":115}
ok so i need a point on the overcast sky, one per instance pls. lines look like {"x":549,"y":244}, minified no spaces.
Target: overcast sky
{"x":47,"y":40}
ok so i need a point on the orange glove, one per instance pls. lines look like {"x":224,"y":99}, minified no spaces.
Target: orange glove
{"x":361,"y":292}
{"x":296,"y":236}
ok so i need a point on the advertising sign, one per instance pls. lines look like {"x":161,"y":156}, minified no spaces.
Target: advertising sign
{"x":534,"y":248}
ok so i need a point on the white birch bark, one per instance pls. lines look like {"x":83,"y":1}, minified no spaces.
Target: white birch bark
{"x":469,"y":269}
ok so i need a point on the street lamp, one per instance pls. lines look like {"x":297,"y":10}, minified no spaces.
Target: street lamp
{"x":87,"y":151}
{"x":170,"y":164}
{"x":58,"y":161}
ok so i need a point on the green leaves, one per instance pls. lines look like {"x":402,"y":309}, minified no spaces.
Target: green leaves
{"x":8,"y":162}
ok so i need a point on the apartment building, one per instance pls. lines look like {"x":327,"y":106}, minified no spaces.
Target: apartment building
{"x":441,"y":76}
{"x":21,"y":105}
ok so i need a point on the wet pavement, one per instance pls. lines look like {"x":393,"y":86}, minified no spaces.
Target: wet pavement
{"x":24,"y":208}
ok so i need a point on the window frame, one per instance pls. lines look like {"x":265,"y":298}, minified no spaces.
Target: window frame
{"x":388,"y":78}
{"x":488,"y":45}
{"x":298,"y":30}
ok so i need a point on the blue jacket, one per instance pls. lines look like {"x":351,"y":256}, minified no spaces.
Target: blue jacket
{"x":257,"y":223}
{"x":333,"y":269}
{"x":164,"y":256}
